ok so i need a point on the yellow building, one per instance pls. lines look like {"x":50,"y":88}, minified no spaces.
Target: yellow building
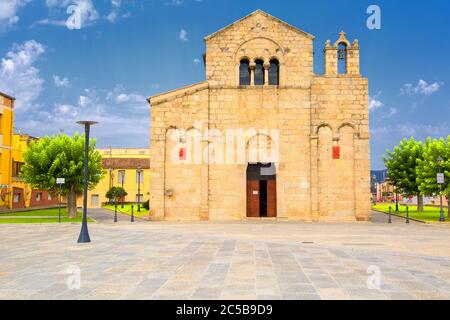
{"x":23,"y":196}
{"x":124,"y":168}
{"x":6,"y":137}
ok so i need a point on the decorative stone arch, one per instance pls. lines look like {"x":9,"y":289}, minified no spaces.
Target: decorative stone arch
{"x":261,"y":147}
{"x":324,"y":125}
{"x":196,"y":165}
{"x":279,"y":47}
{"x":347,"y":124}
{"x":344,"y":42}
{"x":172,"y":127}
{"x":278,"y":53}
{"x":347,"y":143}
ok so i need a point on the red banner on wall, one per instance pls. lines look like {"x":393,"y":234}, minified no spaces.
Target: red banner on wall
{"x":182,"y":153}
{"x":336,"y":152}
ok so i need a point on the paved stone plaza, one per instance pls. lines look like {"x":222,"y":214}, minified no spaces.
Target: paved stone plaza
{"x":230,"y":260}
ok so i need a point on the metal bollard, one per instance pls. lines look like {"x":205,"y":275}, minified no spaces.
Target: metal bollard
{"x":407,"y":214}
{"x":390,"y":213}
{"x":115,"y":212}
{"x":132,"y":213}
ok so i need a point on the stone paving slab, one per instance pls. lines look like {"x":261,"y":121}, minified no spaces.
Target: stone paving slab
{"x":225,"y":260}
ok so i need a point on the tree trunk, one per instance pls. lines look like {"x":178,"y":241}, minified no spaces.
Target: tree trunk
{"x":396,"y":202}
{"x":72,"y":203}
{"x":419,"y":203}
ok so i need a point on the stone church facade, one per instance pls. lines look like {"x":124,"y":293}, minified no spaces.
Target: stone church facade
{"x":300,"y":143}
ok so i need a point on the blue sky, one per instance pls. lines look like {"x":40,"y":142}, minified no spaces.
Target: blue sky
{"x":128,"y":50}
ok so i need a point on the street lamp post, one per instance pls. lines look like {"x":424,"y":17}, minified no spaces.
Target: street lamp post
{"x":60,"y":182}
{"x":139,"y":188}
{"x":374,"y":189}
{"x":440,"y":181}
{"x":123,"y":178}
{"x":111,"y":180}
{"x":84,"y":233}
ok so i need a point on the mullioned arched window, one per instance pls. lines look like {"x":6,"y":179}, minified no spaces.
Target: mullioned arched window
{"x":274,"y":72}
{"x":244,"y":72}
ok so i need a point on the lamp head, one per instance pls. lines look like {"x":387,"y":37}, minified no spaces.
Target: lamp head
{"x":86,"y":122}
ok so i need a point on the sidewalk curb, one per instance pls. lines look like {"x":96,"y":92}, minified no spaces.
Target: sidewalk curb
{"x":399,"y":216}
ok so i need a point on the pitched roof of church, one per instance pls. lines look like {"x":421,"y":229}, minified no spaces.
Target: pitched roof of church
{"x":265,"y":14}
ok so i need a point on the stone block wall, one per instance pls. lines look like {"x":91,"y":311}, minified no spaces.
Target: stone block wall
{"x":305,"y":116}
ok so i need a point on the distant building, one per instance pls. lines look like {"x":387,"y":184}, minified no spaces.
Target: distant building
{"x":6,"y":140}
{"x":23,"y":196}
{"x":124,"y":168}
{"x":14,"y":192}
{"x":381,"y":175}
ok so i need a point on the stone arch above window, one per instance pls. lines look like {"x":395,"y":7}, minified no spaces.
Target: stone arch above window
{"x":261,"y":48}
{"x":324,"y":126}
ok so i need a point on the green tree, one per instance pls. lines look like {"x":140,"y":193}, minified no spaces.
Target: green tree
{"x":116,"y":193}
{"x":428,"y":168}
{"x":401,"y":164}
{"x":62,"y":156}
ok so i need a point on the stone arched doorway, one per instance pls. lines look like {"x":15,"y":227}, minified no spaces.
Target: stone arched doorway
{"x":261,"y":191}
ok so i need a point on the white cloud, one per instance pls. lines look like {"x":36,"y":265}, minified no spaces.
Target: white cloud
{"x":408,"y":129}
{"x":391,"y":113}
{"x":87,"y":11}
{"x":120,"y":124}
{"x":51,"y":22}
{"x":120,"y":96}
{"x":132,"y":97}
{"x":8,"y":13}
{"x":115,"y":11}
{"x":422,"y":87}
{"x":61,"y":82}
{"x":178,"y":2}
{"x":183,"y":35}
{"x":197,"y":61}
{"x":18,"y":75}
{"x":374,"y":102}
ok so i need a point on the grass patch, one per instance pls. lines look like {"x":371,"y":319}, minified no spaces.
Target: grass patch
{"x":40,"y":212}
{"x":39,"y":216}
{"x":127,"y":210}
{"x":430,"y":214}
{"x":40,"y":220}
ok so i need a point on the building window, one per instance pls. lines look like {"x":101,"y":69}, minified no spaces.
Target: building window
{"x":342,"y":58}
{"x":1,"y":124}
{"x":139,"y":198}
{"x":244,"y":73}
{"x":16,"y":198}
{"x":139,"y":176}
{"x":94,"y":200}
{"x":121,"y":177}
{"x":259,"y":73}
{"x":16,"y":167}
{"x":274,"y":72}
{"x":49,"y":197}
{"x":38,"y":196}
